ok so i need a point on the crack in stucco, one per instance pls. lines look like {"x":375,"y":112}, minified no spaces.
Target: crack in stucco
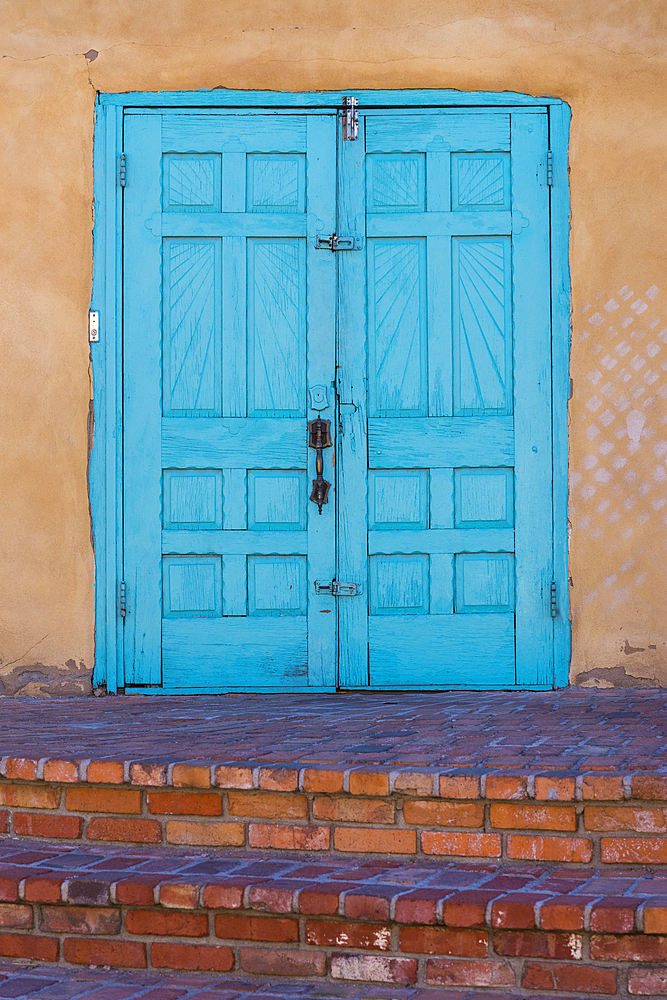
{"x":30,"y":648}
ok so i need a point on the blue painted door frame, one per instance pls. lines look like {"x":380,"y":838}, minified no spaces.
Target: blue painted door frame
{"x":106,"y":481}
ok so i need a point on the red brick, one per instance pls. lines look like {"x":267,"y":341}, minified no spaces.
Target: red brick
{"x":15,"y":916}
{"x":417,"y":783}
{"x":459,"y":786}
{"x":136,"y":831}
{"x":137,"y":890}
{"x":278,"y":779}
{"x":374,"y":968}
{"x":419,"y":906}
{"x":43,"y":888}
{"x":9,"y":888}
{"x":553,"y":787}
{"x":634,"y":850}
{"x":37,"y":825}
{"x":272,"y":897}
{"x":4,"y":822}
{"x":327,"y":933}
{"x":369,"y":903}
{"x":146,"y":772}
{"x":649,"y":787}
{"x":444,"y":941}
{"x":43,"y":949}
{"x":585,"y":979}
{"x":655,"y":915}
{"x":602,"y":787}
{"x":435,"y":813}
{"x":615,"y":915}
{"x":647,"y":982}
{"x":450,"y":972}
{"x":505,"y":786}
{"x":170,"y":924}
{"x":468,"y":908}
{"x":466,"y":845}
{"x":267,"y":805}
{"x":103,"y":800}
{"x":24,"y":768}
{"x":612,"y":818}
{"x":281,"y":962}
{"x":61,"y":770}
{"x":209,"y":834}
{"x":197,"y":957}
{"x":179,"y":895}
{"x":232,"y":777}
{"x":353,"y":810}
{"x":320,"y":899}
{"x":515,"y":911}
{"x":117,"y":954}
{"x":30,"y":796}
{"x":564,"y":913}
{"x":526,"y":848}
{"x":537,"y":944}
{"x":529,"y":817}
{"x":225,"y":896}
{"x":322,"y":780}
{"x":628,"y":948}
{"x":91,"y":892}
{"x":369,"y":783}
{"x":242,"y":928}
{"x":105,"y":772}
{"x":191,"y":776}
{"x":80,"y":920}
{"x":367,"y":841}
{"x":289,"y":838}
{"x":185,"y":803}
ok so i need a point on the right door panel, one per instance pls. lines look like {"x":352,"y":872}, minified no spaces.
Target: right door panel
{"x":458,"y":376}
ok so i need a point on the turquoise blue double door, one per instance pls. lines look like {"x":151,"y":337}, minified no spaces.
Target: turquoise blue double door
{"x":421,"y":333}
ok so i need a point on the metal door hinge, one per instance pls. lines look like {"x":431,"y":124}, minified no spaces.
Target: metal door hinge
{"x":337,"y":588}
{"x":93,"y":326}
{"x":122,"y":170}
{"x":122,"y":605}
{"x":350,"y":119}
{"x":554,"y":600}
{"x":342,"y":241}
{"x":550,"y":168}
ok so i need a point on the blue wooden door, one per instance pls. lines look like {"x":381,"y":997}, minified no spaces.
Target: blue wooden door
{"x":229,"y":322}
{"x":427,"y":347}
{"x":446,"y":403}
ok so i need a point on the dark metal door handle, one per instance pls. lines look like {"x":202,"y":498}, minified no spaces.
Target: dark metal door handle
{"x":319,"y":438}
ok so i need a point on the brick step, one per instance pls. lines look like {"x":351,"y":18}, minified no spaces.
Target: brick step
{"x":593,"y":818}
{"x":530,"y":931}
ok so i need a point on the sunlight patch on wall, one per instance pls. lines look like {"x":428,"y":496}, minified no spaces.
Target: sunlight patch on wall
{"x":618,"y":477}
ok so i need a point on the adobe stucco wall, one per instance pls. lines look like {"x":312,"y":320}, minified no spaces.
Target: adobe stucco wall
{"x":607,"y":60}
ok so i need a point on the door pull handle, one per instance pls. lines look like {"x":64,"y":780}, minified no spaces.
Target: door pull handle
{"x":319,"y":438}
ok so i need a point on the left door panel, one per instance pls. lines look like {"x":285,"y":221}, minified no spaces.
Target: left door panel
{"x":228,"y":321}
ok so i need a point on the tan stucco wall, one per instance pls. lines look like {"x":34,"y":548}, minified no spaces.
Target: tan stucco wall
{"x":607,"y":60}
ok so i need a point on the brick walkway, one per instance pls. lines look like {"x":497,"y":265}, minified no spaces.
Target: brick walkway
{"x":569,"y":729}
{"x":56,"y":983}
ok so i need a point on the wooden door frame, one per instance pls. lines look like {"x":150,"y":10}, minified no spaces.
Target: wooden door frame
{"x":106,"y":455}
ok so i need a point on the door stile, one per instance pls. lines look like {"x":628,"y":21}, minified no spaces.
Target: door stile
{"x":321,"y":326}
{"x":532,"y":400}
{"x":142,"y":403}
{"x":352,"y":448}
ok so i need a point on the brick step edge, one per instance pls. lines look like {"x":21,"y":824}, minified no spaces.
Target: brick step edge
{"x":493,"y":909}
{"x":590,"y":820}
{"x":278,"y":942}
